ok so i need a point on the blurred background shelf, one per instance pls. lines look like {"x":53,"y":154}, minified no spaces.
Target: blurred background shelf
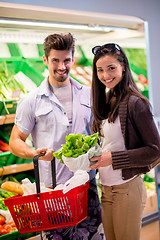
{"x":6,"y":119}
{"x":15,"y":168}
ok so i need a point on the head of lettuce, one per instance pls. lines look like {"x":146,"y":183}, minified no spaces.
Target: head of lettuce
{"x":76,"y":145}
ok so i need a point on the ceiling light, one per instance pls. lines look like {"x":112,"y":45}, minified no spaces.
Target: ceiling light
{"x":55,"y":25}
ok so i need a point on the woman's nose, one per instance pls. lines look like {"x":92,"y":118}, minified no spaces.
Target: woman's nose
{"x":106,"y":75}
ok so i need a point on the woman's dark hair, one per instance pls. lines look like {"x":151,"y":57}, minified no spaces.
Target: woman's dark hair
{"x":59,"y":42}
{"x":105,"y":105}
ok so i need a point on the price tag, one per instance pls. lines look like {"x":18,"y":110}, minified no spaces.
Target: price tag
{"x":16,"y":93}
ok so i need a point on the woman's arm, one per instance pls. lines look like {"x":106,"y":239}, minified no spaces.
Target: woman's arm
{"x":147,"y":150}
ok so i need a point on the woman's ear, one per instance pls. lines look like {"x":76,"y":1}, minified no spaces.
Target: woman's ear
{"x":123,"y":69}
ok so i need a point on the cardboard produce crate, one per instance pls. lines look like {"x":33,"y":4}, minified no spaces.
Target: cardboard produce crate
{"x":151,"y":205}
{"x":151,"y":231}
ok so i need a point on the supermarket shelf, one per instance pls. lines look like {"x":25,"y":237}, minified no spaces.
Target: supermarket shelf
{"x":150,"y":218}
{"x":2,"y":119}
{"x":7,"y":119}
{"x":15,"y":168}
{"x":150,"y":231}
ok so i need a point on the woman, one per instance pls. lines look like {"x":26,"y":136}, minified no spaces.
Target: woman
{"x":130,"y":142}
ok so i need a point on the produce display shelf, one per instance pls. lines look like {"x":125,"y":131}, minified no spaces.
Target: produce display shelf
{"x":7,"y":159}
{"x":6,"y":119}
{"x":14,"y":50}
{"x":40,"y":49}
{"x":4,"y":158}
{"x":16,"y":235}
{"x":32,"y":68}
{"x":15,"y":168}
{"x":36,"y":69}
{"x":8,"y":107}
{"x":2,"y":120}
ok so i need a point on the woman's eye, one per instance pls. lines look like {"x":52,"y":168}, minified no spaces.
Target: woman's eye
{"x":111,"y":68}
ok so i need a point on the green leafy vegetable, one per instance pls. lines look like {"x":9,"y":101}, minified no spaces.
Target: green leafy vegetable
{"x":76,"y":145}
{"x":2,"y":205}
{"x":8,"y":83}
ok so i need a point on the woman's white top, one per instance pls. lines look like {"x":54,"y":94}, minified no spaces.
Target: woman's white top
{"x":112,"y":141}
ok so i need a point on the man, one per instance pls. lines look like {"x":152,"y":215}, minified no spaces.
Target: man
{"x":59,"y":106}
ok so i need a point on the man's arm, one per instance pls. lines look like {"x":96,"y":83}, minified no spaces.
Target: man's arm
{"x":19,"y":147}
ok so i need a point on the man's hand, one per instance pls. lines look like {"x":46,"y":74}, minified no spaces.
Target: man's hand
{"x":48,"y":154}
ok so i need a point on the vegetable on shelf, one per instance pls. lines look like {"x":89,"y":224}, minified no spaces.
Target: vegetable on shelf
{"x":10,"y":88}
{"x":3,"y":231}
{"x":76,"y":145}
{"x":12,"y":187}
{"x":2,"y":220}
{"x":7,"y":178}
{"x":5,"y":194}
{"x":6,"y":221}
{"x":142,"y":79}
{"x":8,"y":83}
{"x":7,"y":228}
{"x":4,"y":147}
{"x":2,"y":206}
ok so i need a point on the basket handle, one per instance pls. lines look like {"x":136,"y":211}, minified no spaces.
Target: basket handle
{"x":36,"y":171}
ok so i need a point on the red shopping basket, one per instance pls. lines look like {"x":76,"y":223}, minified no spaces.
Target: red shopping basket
{"x":49,"y":210}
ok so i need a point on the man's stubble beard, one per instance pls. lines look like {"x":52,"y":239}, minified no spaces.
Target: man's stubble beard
{"x":61,"y":79}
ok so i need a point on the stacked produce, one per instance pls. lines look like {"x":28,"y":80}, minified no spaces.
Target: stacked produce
{"x":10,"y":88}
{"x":6,"y":227}
{"x":8,"y":84}
{"x":7,"y":224}
{"x":4,"y":147}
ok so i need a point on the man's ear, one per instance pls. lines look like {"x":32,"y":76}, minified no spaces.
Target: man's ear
{"x":45,"y":61}
{"x":72,"y":60}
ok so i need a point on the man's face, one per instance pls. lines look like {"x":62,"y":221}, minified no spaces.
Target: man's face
{"x":59,"y":65}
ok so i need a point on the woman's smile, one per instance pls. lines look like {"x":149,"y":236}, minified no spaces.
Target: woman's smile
{"x":109,"y":71}
{"x":109,"y":80}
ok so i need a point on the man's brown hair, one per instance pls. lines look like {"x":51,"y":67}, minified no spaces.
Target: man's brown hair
{"x":59,"y":42}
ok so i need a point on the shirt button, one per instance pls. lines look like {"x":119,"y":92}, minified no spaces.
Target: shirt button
{"x":64,"y":113}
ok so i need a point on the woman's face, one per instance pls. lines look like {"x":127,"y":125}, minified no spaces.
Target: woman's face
{"x":109,"y":71}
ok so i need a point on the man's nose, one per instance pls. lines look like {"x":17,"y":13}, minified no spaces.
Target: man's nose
{"x":61,"y":65}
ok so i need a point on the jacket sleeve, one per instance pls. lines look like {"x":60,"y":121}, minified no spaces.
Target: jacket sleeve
{"x":149,"y":150}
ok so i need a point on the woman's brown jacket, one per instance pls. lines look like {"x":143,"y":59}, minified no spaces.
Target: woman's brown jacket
{"x":141,"y":139}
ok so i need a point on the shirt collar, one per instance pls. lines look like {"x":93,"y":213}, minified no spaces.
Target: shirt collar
{"x":76,"y":83}
{"x":44,"y":88}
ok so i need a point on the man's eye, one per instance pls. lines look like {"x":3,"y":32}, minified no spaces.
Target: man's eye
{"x":55,"y":60}
{"x":99,"y":70}
{"x":67,"y":61}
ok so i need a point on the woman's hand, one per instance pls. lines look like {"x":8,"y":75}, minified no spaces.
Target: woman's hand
{"x":102,"y":161}
{"x":48,"y":154}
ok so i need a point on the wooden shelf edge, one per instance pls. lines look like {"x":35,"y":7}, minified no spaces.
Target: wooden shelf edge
{"x":2,"y":119}
{"x":15,"y":168}
{"x":7,"y":119}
